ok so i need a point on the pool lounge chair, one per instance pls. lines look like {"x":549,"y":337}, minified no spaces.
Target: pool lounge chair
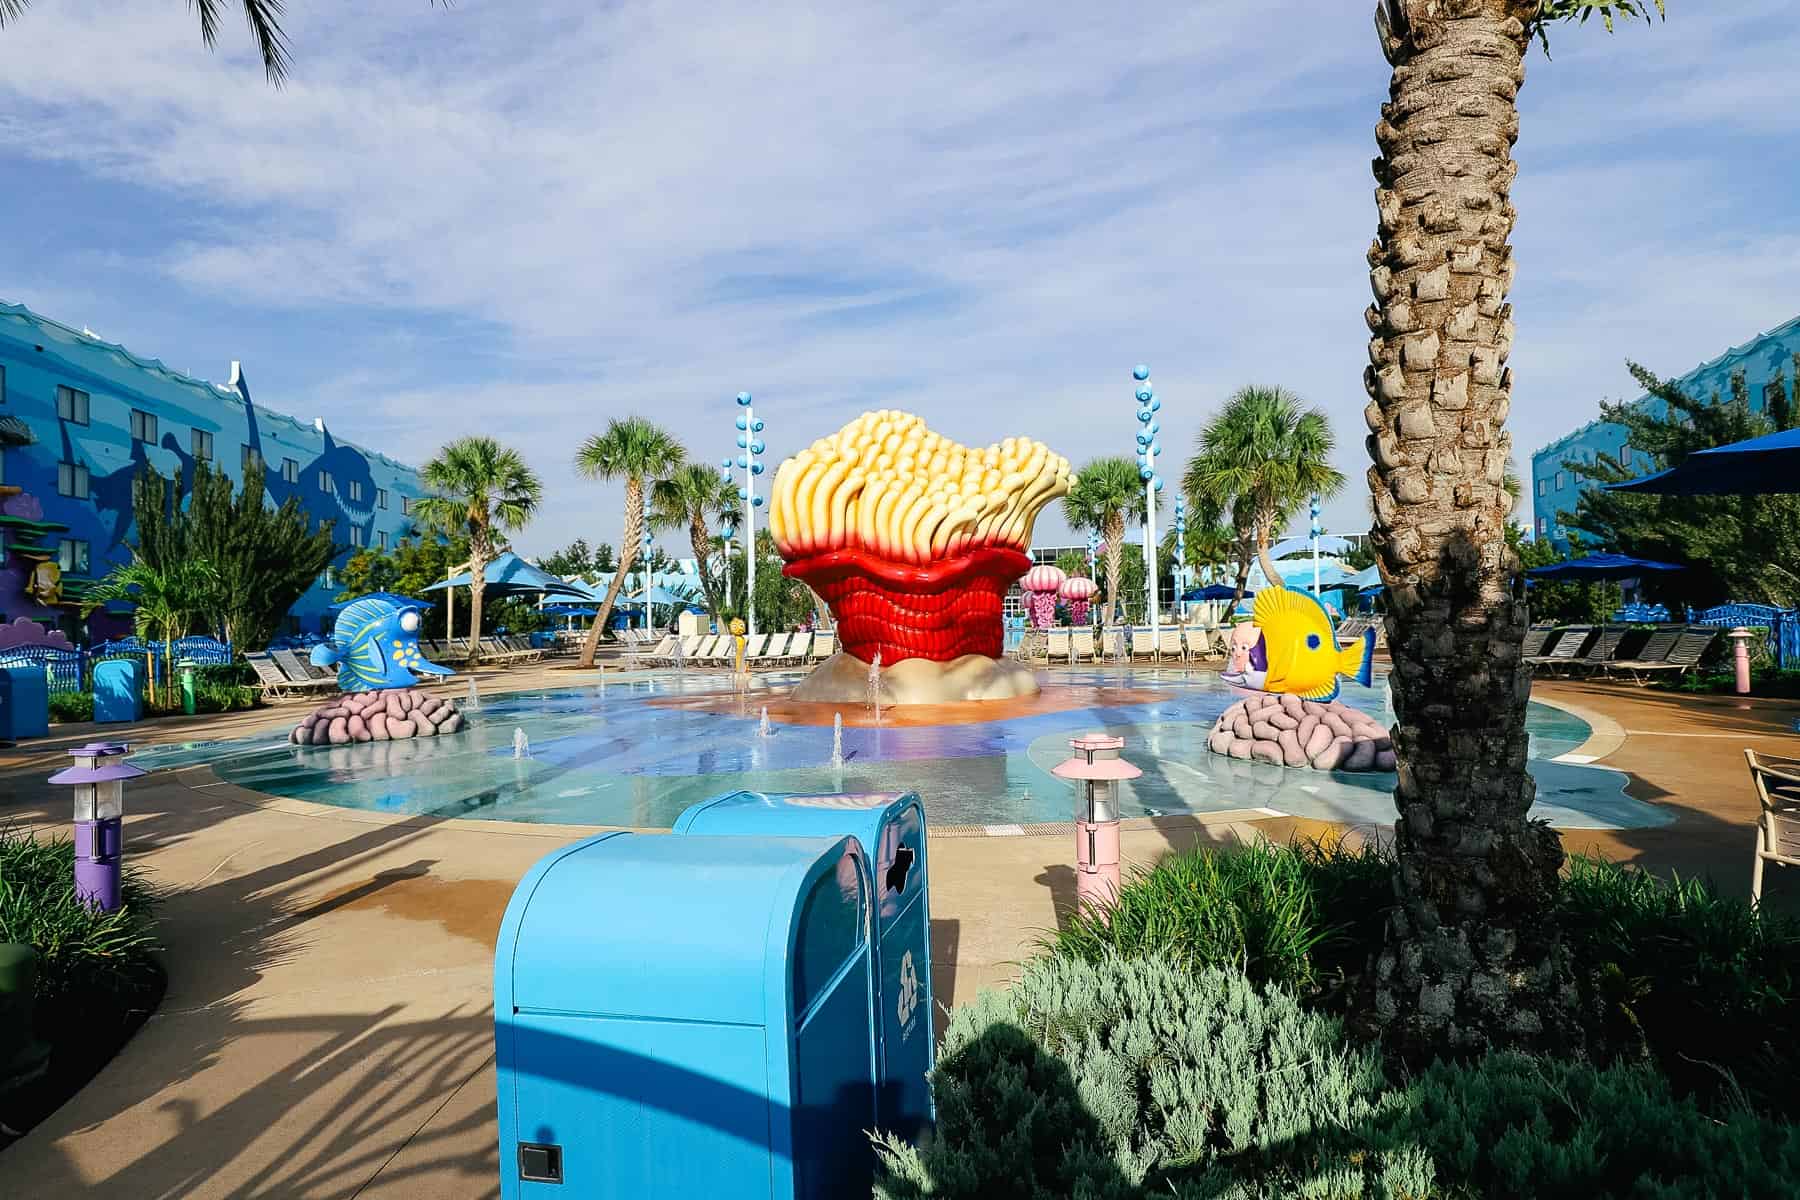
{"x":1572,"y":640}
{"x":1081,"y":645}
{"x":1680,"y":655}
{"x":275,"y":683}
{"x":824,"y":645}
{"x":1599,"y":653}
{"x":755,"y":649}
{"x":720,"y":652}
{"x":776,"y":652}
{"x":1058,"y":645}
{"x":1168,"y":645}
{"x":1142,"y":644}
{"x":1777,"y":783}
{"x":302,"y":676}
{"x":1536,"y":638}
{"x":663,"y":651}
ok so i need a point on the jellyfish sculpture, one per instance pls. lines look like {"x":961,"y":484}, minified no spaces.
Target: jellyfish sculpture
{"x":1076,"y":591}
{"x":1040,"y":585}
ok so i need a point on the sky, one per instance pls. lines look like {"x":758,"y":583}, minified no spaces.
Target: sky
{"x":526,"y":217}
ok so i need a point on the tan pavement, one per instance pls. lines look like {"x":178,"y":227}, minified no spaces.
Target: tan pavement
{"x":328,"y":1032}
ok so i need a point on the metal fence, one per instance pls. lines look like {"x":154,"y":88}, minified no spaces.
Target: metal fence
{"x":1782,"y":626}
{"x":73,"y":670}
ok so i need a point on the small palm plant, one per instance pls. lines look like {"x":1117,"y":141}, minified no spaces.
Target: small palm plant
{"x":483,"y":490}
{"x":167,"y":600}
{"x":640,"y":453}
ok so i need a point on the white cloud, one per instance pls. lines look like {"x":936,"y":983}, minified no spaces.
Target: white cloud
{"x":986,"y":213}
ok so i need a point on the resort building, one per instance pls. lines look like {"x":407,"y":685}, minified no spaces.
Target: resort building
{"x":80,"y":417}
{"x":1555,"y":489}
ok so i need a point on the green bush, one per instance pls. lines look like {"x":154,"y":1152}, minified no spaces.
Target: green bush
{"x":71,"y":706}
{"x":1126,"y":1079}
{"x":1707,"y":984}
{"x":88,"y":961}
{"x":1305,"y":915}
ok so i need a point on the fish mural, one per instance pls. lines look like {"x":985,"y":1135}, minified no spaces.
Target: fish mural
{"x":375,"y":647}
{"x":347,"y":469}
{"x":1289,"y":647}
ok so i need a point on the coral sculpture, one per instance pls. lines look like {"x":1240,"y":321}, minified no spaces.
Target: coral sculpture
{"x":375,"y":647}
{"x":912,"y":539}
{"x":1041,"y":585}
{"x":1291,"y":732}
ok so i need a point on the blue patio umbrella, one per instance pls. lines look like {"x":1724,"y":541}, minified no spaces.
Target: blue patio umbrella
{"x":1598,"y":566}
{"x":1767,"y":465}
{"x":1214,"y":591}
{"x":568,"y":610}
{"x":510,"y":575}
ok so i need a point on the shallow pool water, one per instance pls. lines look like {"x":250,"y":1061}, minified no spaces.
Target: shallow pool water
{"x":602,"y":754}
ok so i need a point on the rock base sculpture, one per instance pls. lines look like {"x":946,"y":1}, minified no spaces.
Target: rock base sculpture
{"x":392,"y":714}
{"x":1291,"y":732}
{"x":844,"y":679}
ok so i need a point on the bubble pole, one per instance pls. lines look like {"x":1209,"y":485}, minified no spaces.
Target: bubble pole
{"x":1317,"y":529}
{"x":749,"y":447}
{"x":1148,"y":448}
{"x":1180,"y":552}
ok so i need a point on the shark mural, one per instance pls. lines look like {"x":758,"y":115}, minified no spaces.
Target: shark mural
{"x":348,"y":495}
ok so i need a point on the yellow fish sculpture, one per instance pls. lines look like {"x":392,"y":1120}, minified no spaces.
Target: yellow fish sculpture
{"x":1301,"y":648}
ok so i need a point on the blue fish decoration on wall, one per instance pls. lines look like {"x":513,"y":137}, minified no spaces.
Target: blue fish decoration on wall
{"x":375,"y":647}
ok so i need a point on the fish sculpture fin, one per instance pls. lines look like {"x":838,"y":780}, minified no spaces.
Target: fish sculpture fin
{"x":1324,"y":692}
{"x":326,"y":654}
{"x":426,"y":667}
{"x":1357,"y":660}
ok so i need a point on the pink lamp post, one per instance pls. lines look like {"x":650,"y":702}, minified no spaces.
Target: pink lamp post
{"x":1041,"y":584}
{"x":1076,"y":591}
{"x":1740,"y":655}
{"x":1096,"y":769}
{"x":98,"y":777}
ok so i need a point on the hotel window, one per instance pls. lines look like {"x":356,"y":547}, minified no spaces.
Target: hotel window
{"x":72,"y":556}
{"x":2,"y":385}
{"x":1559,"y":481}
{"x":1543,"y":527}
{"x":381,"y":538}
{"x":251,"y":458}
{"x":380,"y":497}
{"x":1625,"y":456}
{"x":1543,"y":486}
{"x":290,"y":471}
{"x":356,"y":535}
{"x":324,"y":481}
{"x":328,"y":579}
{"x":356,"y":491}
{"x":72,"y":480}
{"x":143,"y":426}
{"x":406,"y":506}
{"x":201,"y":442}
{"x":71,"y":404}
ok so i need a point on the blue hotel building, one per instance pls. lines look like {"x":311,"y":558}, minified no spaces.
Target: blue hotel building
{"x":79,"y":417}
{"x":1555,"y":489}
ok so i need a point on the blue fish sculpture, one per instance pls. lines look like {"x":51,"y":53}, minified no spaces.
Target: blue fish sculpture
{"x":375,"y":647}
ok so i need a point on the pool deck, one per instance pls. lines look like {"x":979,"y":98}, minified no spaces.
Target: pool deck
{"x":327,"y":1030}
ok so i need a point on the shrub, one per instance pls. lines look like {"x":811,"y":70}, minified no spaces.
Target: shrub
{"x":1305,"y":915}
{"x":1127,"y":1079}
{"x":89,"y":962}
{"x":1707,"y":984}
{"x":71,"y":706}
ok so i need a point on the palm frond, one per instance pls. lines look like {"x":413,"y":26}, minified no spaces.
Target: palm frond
{"x":12,"y":10}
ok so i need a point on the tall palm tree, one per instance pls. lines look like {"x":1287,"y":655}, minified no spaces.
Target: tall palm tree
{"x":1472,"y":958}
{"x":166,"y":599}
{"x":482,"y":491}
{"x":696,"y":498}
{"x":1260,"y":459}
{"x":640,"y":453}
{"x":1106,"y":496}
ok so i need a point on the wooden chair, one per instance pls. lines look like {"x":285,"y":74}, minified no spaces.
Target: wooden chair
{"x":1778,"y":824}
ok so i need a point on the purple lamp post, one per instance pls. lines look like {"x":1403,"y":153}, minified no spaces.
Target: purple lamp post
{"x":98,"y":777}
{"x":1096,"y":769}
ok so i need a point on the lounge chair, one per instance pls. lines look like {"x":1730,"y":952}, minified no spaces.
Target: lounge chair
{"x":1599,"y":653}
{"x":273,"y":680}
{"x":1536,"y":639}
{"x":302,"y":676}
{"x":776,"y":652}
{"x":1573,"y":640}
{"x":1057,"y":644}
{"x":1777,"y":783}
{"x":1142,"y":644}
{"x":756,"y":649}
{"x":708,"y":643}
{"x":1680,"y":655}
{"x":824,"y":645}
{"x":1081,"y":645}
{"x":1168,"y":645}
{"x":1112,"y":644}
{"x":663,"y":651}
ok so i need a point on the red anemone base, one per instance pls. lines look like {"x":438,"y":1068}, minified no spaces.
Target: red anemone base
{"x":940,"y":611}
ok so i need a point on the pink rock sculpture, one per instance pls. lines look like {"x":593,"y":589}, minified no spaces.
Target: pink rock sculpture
{"x":1076,"y":591}
{"x":1041,"y":585}
{"x":1291,"y":732}
{"x":387,"y":715}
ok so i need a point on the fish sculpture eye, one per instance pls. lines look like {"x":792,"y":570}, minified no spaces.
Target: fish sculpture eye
{"x":409,"y":621}
{"x":1312,"y":641}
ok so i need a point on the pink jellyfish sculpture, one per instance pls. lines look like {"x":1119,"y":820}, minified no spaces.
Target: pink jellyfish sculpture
{"x":1041,"y":584}
{"x":1076,"y":591}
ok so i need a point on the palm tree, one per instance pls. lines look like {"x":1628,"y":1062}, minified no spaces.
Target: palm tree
{"x":1106,"y":496}
{"x":483,"y":489}
{"x":166,"y":599}
{"x":264,"y":17}
{"x":695,"y":497}
{"x":1260,"y":459}
{"x":640,"y":453}
{"x":1211,"y":547}
{"x":1472,"y":958}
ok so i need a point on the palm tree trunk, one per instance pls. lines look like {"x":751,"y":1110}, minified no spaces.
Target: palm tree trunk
{"x":1115,"y":547}
{"x":1273,"y":573}
{"x":700,"y":537}
{"x":1472,"y":958}
{"x":633,"y":539}
{"x":477,"y":587}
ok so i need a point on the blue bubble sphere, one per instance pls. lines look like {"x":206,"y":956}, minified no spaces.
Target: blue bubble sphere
{"x":743,"y":399}
{"x":1140,"y":372}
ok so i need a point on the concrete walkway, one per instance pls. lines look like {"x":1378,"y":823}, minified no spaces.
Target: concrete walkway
{"x":328,"y":1032}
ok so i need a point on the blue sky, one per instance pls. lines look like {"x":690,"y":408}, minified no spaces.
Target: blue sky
{"x":526,"y":218}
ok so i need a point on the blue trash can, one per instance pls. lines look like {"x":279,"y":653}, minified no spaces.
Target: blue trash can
{"x":118,"y":691}
{"x":24,"y":703}
{"x":890,"y":827}
{"x":686,"y":1016}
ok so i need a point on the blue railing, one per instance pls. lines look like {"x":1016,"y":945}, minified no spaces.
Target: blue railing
{"x":72,"y":670}
{"x":1642,"y":613}
{"x":1783,"y":624}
